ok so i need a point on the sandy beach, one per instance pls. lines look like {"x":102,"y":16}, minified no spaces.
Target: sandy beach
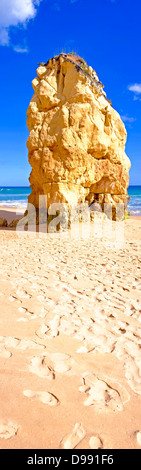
{"x":70,"y":339}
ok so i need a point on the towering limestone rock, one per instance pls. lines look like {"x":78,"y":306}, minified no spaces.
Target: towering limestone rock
{"x":76,"y":146}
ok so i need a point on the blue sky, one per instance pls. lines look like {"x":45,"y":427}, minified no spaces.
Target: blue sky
{"x":105,"y":32}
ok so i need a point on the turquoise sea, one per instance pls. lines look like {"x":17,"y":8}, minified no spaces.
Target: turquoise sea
{"x":17,"y":197}
{"x":11,"y":196}
{"x":134,"y":205}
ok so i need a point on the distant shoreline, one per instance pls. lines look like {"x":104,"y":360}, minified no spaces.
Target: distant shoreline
{"x":13,"y":209}
{"x":15,"y":199}
{"x":10,"y":214}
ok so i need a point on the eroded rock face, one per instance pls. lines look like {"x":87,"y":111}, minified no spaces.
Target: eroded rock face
{"x":3,"y":222}
{"x":76,"y":146}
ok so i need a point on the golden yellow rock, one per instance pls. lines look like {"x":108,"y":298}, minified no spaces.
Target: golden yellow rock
{"x":13,"y":223}
{"x":77,"y":140}
{"x":3,"y":222}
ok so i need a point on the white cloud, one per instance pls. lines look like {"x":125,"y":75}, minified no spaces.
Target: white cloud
{"x":136,"y":88}
{"x":15,"y":13}
{"x":20,"y":49}
{"x":128,"y":119}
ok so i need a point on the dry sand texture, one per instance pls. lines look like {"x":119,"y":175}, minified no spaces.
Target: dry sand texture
{"x":70,"y":342}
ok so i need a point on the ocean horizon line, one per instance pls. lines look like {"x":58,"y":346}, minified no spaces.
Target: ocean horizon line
{"x":17,"y":196}
{"x":25,"y":186}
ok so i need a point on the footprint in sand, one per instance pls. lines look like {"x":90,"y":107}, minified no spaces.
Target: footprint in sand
{"x":23,"y":294}
{"x":39,"y":366}
{"x":29,"y":344}
{"x":45,"y":397}
{"x":42,"y":332}
{"x":139,"y":437}
{"x":51,"y":329}
{"x":26,"y":312}
{"x":103,"y":393}
{"x":129,"y":353}
{"x":8,"y":430}
{"x":70,"y":441}
{"x":22,"y":309}
{"x":22,"y":344}
{"x":95,"y":442}
{"x":4,"y":353}
{"x":31,"y":315}
{"x":14,"y":299}
{"x":62,"y":362}
{"x":11,"y":298}
{"x":11,"y":342}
